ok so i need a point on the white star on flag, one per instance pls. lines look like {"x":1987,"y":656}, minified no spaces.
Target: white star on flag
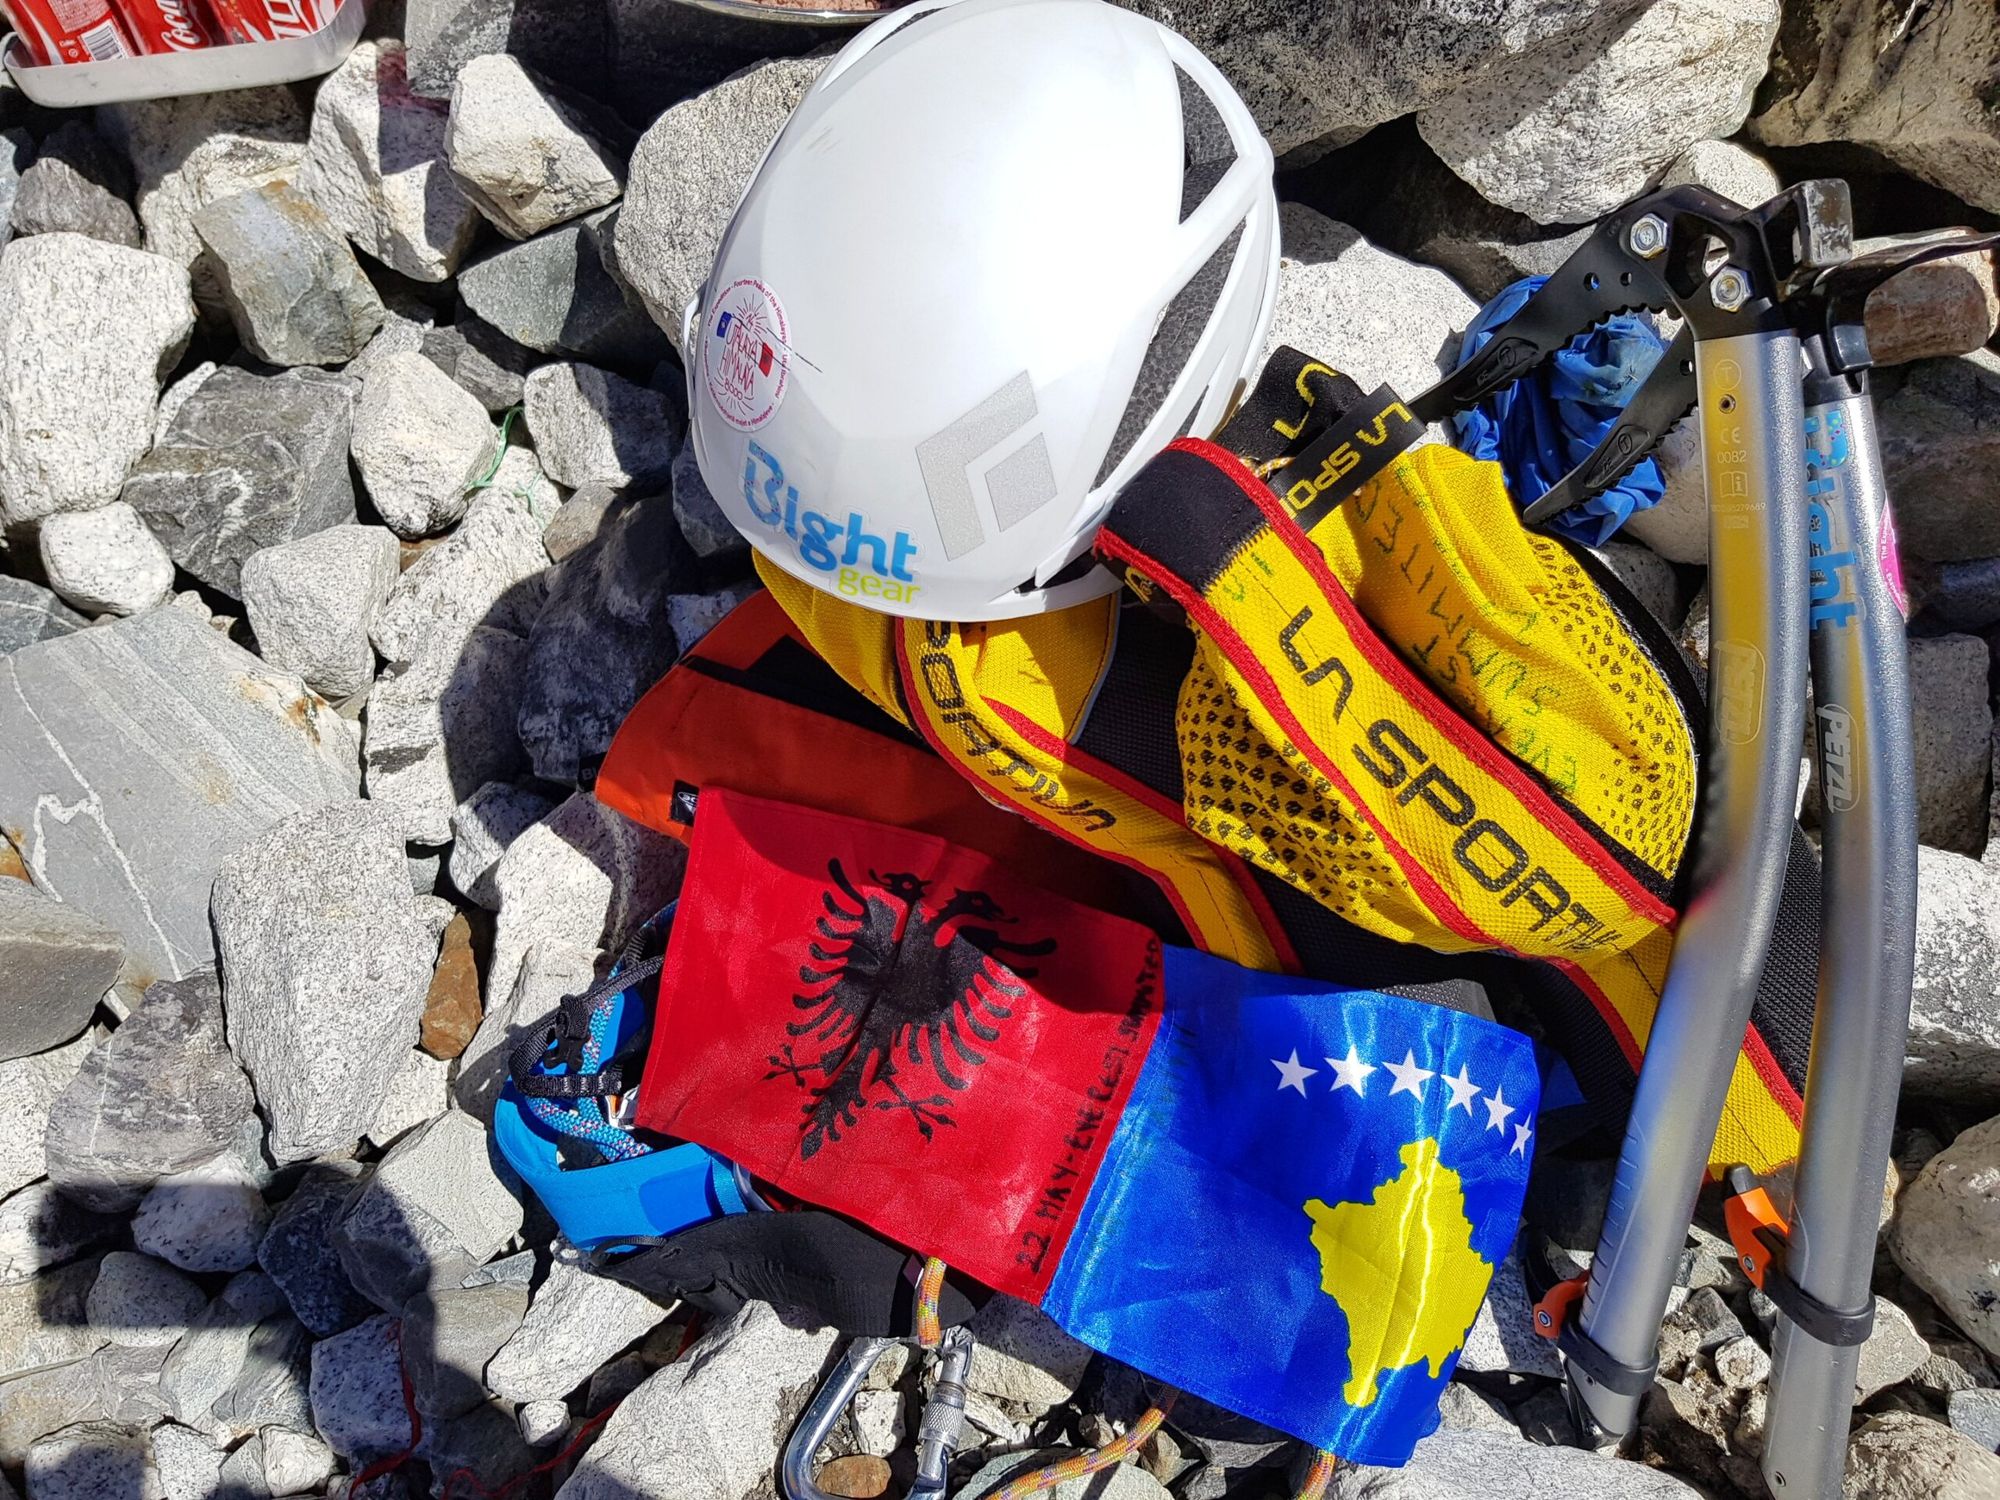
{"x":1292,"y":1074}
{"x":1350,"y":1072}
{"x":1410,"y":1079}
{"x":1463,"y":1090}
{"x":1497,"y":1110}
{"x":1521,"y":1134}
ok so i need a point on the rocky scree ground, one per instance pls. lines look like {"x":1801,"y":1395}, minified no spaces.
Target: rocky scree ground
{"x":347,"y":509}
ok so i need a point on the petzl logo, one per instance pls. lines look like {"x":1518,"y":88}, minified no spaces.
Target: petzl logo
{"x":1836,"y":757}
{"x":1018,"y":485}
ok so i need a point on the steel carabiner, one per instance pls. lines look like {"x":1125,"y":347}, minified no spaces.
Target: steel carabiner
{"x":937,"y":1432}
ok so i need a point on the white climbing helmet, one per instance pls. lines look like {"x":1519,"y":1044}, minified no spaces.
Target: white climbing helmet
{"x":1002,"y":254}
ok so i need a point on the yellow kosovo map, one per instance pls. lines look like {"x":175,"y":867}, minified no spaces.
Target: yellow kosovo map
{"x":1402,"y":1268}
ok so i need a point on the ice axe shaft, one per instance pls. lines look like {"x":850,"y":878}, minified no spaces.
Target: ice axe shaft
{"x":1751,"y":412}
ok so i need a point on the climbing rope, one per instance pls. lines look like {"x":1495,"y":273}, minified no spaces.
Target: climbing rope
{"x":929,"y":1285}
{"x":1318,"y":1476}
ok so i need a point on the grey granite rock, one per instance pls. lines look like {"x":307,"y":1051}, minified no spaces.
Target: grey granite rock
{"x":189,"y":151}
{"x":1942,"y":459}
{"x":1893,"y":1352}
{"x":1457,"y":1465}
{"x":1953,"y":1050}
{"x":403,"y":331}
{"x":554,"y":294}
{"x":87,"y":333}
{"x":602,"y":639}
{"x":29,"y":1087}
{"x":418,"y":1093}
{"x":17,"y":153}
{"x":325,"y":967}
{"x":436,"y":1208}
{"x":250,"y":461}
{"x":484,"y":574}
{"x":483,"y":360}
{"x":165,"y":748}
{"x":271,"y":1387}
{"x":1502,"y":1337}
{"x":1021,"y":1356}
{"x":299,"y":1253}
{"x":56,"y":962}
{"x":687,"y":173}
{"x":1651,"y":83}
{"x":312,"y":601}
{"x":582,"y":878}
{"x":1977,"y":1415}
{"x":582,"y":517}
{"x":290,"y":280}
{"x":210,"y":1357}
{"x":1125,"y":1481}
{"x":562,"y":38}
{"x":41,"y":1229}
{"x":1952,"y":730}
{"x":189,"y":1465}
{"x":175,"y":396}
{"x":484,"y":1443}
{"x":420,"y":442}
{"x":93,"y":1461}
{"x":161,"y":1095}
{"x":31,"y":613}
{"x":1376,"y":316}
{"x":1902,"y":1456}
{"x":105,"y":561}
{"x":577,"y":1322}
{"x":692,"y":616}
{"x":208,"y":1218}
{"x":1920,"y":97}
{"x":441,"y":726}
{"x":357,"y":1391}
{"x":1963,"y":595}
{"x":450,"y":1335}
{"x":45,"y":1320}
{"x":80,"y":185}
{"x":529,"y":154}
{"x":295,"y":1463}
{"x":482,"y":828}
{"x":757,"y":1367}
{"x":1947,"y":1233}
{"x":140,"y":1301}
{"x":375,"y":166}
{"x":700,"y":519}
{"x":591,"y":426}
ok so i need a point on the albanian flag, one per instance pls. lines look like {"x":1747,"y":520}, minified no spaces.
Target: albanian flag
{"x":1284,"y":1197}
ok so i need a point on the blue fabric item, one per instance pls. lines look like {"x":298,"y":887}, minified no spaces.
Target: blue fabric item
{"x":1552,"y":419}
{"x":1303,"y":1203}
{"x":640,"y":1191}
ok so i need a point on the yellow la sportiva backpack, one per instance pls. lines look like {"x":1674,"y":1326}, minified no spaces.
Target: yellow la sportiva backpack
{"x":1419,"y":743}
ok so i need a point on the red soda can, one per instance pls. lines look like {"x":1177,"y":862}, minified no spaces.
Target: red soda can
{"x":271,"y":20}
{"x":69,"y":31}
{"x":166,"y":25}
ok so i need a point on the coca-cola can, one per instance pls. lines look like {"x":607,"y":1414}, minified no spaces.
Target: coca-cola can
{"x":69,"y":31}
{"x":167,"y":25}
{"x":271,"y":20}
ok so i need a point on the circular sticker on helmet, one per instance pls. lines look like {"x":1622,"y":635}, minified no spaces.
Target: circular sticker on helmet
{"x":745,"y":353}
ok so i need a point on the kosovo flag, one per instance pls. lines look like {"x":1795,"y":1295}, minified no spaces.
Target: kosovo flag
{"x":1284,"y":1197}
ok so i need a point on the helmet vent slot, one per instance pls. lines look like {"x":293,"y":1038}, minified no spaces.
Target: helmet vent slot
{"x":1207,"y":151}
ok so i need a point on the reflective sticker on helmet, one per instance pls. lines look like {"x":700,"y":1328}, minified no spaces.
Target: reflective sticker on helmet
{"x":745,"y":354}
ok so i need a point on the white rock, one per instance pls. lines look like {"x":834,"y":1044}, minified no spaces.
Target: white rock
{"x":687,"y":173}
{"x":1677,"y":528}
{"x":1952,"y":734}
{"x":1954,"y":1039}
{"x":1726,"y":168}
{"x":140,"y":1302}
{"x":543,"y":1423}
{"x":1370,"y":314}
{"x":440,"y":726}
{"x":593,"y":427}
{"x":879,"y":1422}
{"x":28,"y":1086}
{"x":209,"y":1359}
{"x":708,"y":1424}
{"x":1458,"y":1465}
{"x":312,"y":600}
{"x":87,"y":332}
{"x":46,"y":1320}
{"x":420,"y":441}
{"x":93,"y":1461}
{"x":582,"y":878}
{"x":375,"y":166}
{"x":524,"y":154}
{"x":1902,"y":1456}
{"x":357,"y":1391}
{"x":189,"y":1465}
{"x":1947,"y":1232}
{"x":1742,"y":1363}
{"x":417,"y":1093}
{"x":40,"y":1228}
{"x":325,"y":968}
{"x":174,"y":397}
{"x":692,"y":616}
{"x":1020,"y":1355}
{"x":521,"y":477}
{"x":577,"y":1322}
{"x":191,"y":150}
{"x":482,"y":828}
{"x":1893,"y":1352}
{"x":295,"y":1463}
{"x":105,"y":561}
{"x":209,"y":1218}
{"x":1650,"y":83}
{"x":435,"y":1210}
{"x":482,"y":574}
